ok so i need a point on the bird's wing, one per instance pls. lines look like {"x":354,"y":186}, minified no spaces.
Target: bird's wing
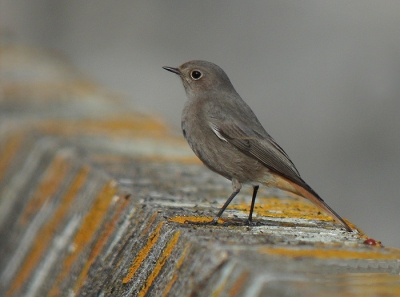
{"x":257,"y":144}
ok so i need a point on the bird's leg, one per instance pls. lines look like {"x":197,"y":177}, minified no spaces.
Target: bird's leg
{"x":216,"y":218}
{"x":253,"y":200}
{"x":236,"y":185}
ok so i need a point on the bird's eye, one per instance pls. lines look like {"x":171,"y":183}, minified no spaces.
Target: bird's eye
{"x":195,"y":74}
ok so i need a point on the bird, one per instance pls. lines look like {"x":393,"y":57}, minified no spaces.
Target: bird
{"x":225,"y":134}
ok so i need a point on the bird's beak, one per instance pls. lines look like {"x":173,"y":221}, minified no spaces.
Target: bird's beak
{"x":172,"y":69}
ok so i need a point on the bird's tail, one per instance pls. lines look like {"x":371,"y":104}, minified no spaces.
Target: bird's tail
{"x":311,"y":195}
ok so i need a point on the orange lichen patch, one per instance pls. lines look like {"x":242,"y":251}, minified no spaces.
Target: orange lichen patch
{"x":160,"y":264}
{"x":8,"y":152}
{"x":16,"y":56}
{"x":41,"y":93}
{"x":152,"y":219}
{"x":128,"y":125}
{"x":169,"y":285}
{"x":237,"y":286}
{"x":177,"y":266}
{"x":326,"y":253}
{"x":217,"y":292}
{"x":284,"y":207}
{"x":109,"y":158}
{"x":361,"y":284}
{"x":189,"y":160}
{"x":354,"y":227}
{"x":48,"y":231}
{"x":108,"y":230}
{"x":188,"y":219}
{"x":48,"y":186}
{"x":114,"y":159}
{"x":143,"y":253}
{"x":183,"y":256}
{"x":90,"y":225}
{"x":235,"y":289}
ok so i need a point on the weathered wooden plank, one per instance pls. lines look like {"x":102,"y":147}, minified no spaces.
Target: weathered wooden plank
{"x":95,"y":199}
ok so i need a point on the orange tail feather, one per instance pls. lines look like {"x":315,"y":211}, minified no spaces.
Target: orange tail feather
{"x":287,"y":185}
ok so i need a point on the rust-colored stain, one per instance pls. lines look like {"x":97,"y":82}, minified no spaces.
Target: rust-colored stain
{"x":109,"y":229}
{"x":326,"y":253}
{"x":47,"y":232}
{"x":237,"y":286}
{"x":160,"y":264}
{"x":90,"y":225}
{"x":143,"y":253}
{"x":48,"y":186}
{"x":284,"y":208}
{"x":194,"y":219}
{"x":177,"y":267}
{"x":8,"y":152}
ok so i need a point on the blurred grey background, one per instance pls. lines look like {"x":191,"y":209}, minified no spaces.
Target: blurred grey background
{"x":322,"y":76}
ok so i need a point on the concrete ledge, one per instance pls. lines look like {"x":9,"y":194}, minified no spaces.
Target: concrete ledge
{"x":94,"y":200}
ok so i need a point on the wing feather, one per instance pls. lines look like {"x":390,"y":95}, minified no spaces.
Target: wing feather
{"x":260,"y":146}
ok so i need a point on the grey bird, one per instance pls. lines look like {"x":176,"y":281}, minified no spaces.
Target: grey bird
{"x":227,"y":137}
